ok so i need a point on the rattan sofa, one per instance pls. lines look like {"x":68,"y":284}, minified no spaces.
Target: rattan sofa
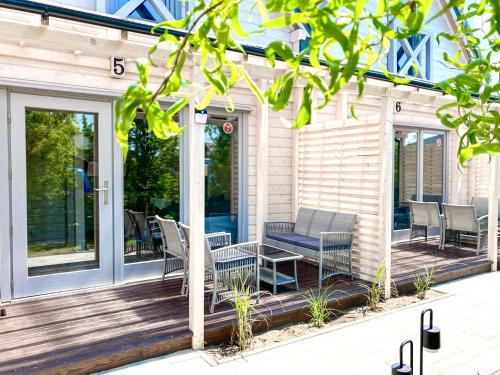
{"x":321,"y":236}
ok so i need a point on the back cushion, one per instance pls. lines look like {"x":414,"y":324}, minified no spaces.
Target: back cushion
{"x":342,"y":222}
{"x":321,"y":222}
{"x":312,"y":222}
{"x":303,"y":223}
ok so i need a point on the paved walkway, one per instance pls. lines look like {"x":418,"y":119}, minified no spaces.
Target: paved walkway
{"x":469,"y":320}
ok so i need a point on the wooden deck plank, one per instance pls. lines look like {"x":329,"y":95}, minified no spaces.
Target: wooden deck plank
{"x":101,"y":328}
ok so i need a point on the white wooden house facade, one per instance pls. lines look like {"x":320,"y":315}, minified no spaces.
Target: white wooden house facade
{"x":57,"y":65}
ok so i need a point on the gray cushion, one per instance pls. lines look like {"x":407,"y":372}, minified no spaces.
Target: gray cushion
{"x":242,"y":260}
{"x":308,"y":242}
{"x":303,"y":222}
{"x":296,"y":239}
{"x":287,"y":237}
{"x":312,"y":222}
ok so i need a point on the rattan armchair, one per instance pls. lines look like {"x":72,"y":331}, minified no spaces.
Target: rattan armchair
{"x":174,"y":250}
{"x":228,"y":265}
{"x":459,"y":219}
{"x":424,"y":215}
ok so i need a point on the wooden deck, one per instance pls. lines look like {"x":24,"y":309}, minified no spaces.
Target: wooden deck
{"x":449,"y":264}
{"x":98,"y":329}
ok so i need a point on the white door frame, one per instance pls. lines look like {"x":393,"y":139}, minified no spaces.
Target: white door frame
{"x":242,"y":115}
{"x":154,"y":268}
{"x":23,"y":284}
{"x":129,"y":272}
{"x":5,"y":221}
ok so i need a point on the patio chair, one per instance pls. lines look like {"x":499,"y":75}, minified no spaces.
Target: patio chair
{"x":130,"y":232}
{"x":217,"y":240}
{"x":228,"y":265}
{"x":460,"y":219}
{"x":424,"y":215}
{"x":320,"y":236}
{"x":174,"y":250}
{"x":481,"y":206}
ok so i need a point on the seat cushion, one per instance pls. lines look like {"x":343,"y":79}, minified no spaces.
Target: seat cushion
{"x":308,"y":242}
{"x":296,"y":239}
{"x":242,"y":260}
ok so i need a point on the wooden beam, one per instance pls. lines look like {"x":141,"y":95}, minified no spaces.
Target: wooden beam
{"x":262,"y":164}
{"x":162,"y":10}
{"x":127,"y":8}
{"x":493,"y":212}
{"x":196,"y":135}
{"x":455,"y":176}
{"x":385,"y":194}
{"x":297,"y":98}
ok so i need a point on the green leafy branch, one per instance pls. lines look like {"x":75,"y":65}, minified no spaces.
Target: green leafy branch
{"x":474,"y":112}
{"x":346,"y":39}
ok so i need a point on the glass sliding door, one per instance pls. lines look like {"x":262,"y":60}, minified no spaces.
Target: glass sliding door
{"x":61,"y":201}
{"x":433,"y":167}
{"x":419,"y":173}
{"x":222,"y":175}
{"x":405,"y":176}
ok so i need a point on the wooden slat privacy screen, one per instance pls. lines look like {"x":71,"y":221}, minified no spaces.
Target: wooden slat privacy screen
{"x":339,"y":170}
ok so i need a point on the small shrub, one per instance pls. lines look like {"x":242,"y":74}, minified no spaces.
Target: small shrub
{"x":319,"y":312}
{"x":423,"y":281}
{"x":375,"y":291}
{"x":246,"y":314}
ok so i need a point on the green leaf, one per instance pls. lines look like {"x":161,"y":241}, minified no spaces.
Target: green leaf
{"x":283,"y":51}
{"x":143,"y":69}
{"x":305,"y":109}
{"x":252,"y":85}
{"x":235,"y":24}
{"x":207,"y":99}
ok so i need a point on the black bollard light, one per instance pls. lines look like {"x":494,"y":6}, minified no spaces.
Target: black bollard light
{"x":430,"y":337}
{"x":401,"y":368}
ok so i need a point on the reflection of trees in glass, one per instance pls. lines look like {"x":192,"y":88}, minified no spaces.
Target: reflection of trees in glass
{"x":218,"y":181}
{"x":59,"y":150}
{"x":50,"y":151}
{"x":152,"y":173}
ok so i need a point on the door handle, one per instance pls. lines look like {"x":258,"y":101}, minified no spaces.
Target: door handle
{"x":105,"y":190}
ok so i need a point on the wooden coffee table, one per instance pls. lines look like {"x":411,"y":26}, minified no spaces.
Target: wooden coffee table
{"x":275,"y":255}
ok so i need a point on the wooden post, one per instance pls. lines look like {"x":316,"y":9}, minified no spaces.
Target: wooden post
{"x":298,"y":92}
{"x":262,"y":165}
{"x":455,"y":177}
{"x":385,"y":195}
{"x":196,"y":135}
{"x":493,"y":212}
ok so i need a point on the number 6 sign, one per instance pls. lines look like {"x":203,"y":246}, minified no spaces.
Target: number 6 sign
{"x":117,"y":67}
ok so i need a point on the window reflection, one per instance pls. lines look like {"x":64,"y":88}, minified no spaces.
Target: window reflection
{"x":221,"y":175}
{"x":405,"y":176}
{"x":151,"y":187}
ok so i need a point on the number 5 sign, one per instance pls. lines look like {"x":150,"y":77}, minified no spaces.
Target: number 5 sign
{"x":117,"y":67}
